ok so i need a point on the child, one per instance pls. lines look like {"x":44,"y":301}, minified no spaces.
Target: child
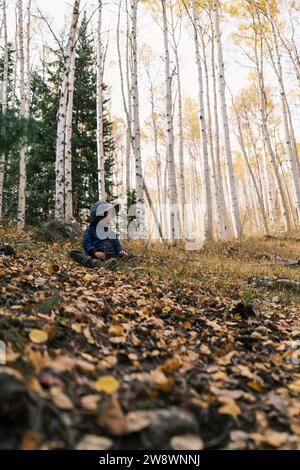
{"x":100,"y":242}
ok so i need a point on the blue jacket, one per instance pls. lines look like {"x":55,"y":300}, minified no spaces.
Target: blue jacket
{"x":91,"y":243}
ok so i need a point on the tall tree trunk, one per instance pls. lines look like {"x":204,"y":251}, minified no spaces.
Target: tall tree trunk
{"x":126,"y":102}
{"x":180,"y":126}
{"x":222,"y":93}
{"x":157,"y":155}
{"x":136,"y":137}
{"x":4,"y":99}
{"x":170,"y":132}
{"x":61,"y":118}
{"x":100,"y":144}
{"x":205,"y":162}
{"x":24,"y":107}
{"x":255,"y":187}
{"x":212,"y":160}
{"x":68,"y":148}
{"x":216,"y":141}
{"x":266,"y":136}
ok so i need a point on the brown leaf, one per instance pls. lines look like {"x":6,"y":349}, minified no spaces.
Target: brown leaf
{"x":112,"y":418}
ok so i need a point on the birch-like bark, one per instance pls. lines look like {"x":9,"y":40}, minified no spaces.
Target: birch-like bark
{"x":127,"y":107}
{"x":222,"y":94}
{"x":157,"y":155}
{"x":16,"y":62}
{"x":24,"y":106}
{"x":61,"y":118}
{"x":68,"y":146}
{"x":216,"y":144}
{"x":100,"y":144}
{"x":212,"y":163}
{"x":180,"y":124}
{"x":266,"y":135}
{"x":170,"y":132}
{"x":136,"y":135}
{"x":249,"y":169}
{"x":203,"y":129}
{"x":4,"y":98}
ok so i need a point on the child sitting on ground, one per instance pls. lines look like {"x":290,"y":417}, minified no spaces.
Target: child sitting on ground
{"x":100,"y":242}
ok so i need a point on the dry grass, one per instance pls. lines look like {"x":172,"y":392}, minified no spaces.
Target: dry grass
{"x":225,"y":267}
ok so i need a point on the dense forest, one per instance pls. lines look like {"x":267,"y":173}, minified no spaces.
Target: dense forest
{"x":215,"y":164}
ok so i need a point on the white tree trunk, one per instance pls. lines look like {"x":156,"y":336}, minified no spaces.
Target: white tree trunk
{"x":136,"y":135}
{"x":216,"y":145}
{"x":254,"y":184}
{"x":212,"y":161}
{"x":126,"y":103}
{"x":24,"y":106}
{"x":68,"y":146}
{"x":61,"y":118}
{"x":100,"y":144}
{"x":267,"y":140}
{"x":222,"y":93}
{"x":157,"y":155}
{"x":170,"y":133}
{"x":205,"y":161}
{"x":4,"y":99}
{"x":180,"y":125}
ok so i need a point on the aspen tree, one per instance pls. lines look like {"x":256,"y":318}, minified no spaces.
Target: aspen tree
{"x":4,"y":97}
{"x":222,"y":95}
{"x":173,"y":197}
{"x":62,"y":116}
{"x":100,"y":144}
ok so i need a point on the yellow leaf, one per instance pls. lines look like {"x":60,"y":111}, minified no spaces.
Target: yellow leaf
{"x":171,"y":365}
{"x":231,"y":409}
{"x":116,"y":330}
{"x":107,"y":384}
{"x":255,"y":386}
{"x":31,"y":440}
{"x":167,"y":309}
{"x":38,"y":336}
{"x":295,"y":386}
{"x":77,"y":327}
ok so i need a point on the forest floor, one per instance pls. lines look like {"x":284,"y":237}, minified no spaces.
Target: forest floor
{"x":182,"y":351}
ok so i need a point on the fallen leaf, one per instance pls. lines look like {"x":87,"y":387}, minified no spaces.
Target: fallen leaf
{"x":61,"y":400}
{"x":187,"y":442}
{"x":92,"y":442}
{"x":295,"y":386}
{"x":231,"y":409}
{"x":38,"y":336}
{"x":90,"y":402}
{"x":112,"y":418}
{"x":31,"y":440}
{"x":137,"y":420}
{"x":107,"y":384}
